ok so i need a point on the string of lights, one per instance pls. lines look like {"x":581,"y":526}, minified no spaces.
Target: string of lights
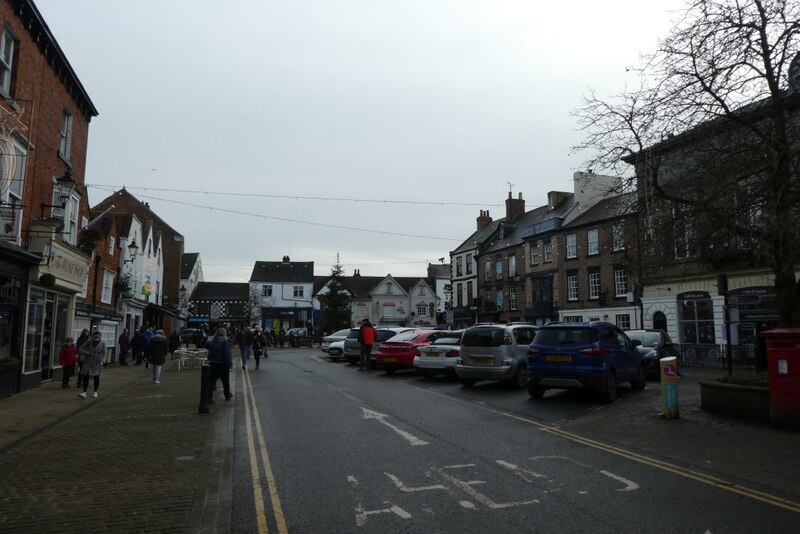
{"x":296,"y":197}
{"x":284,"y":219}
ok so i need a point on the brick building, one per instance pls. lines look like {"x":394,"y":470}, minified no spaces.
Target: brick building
{"x":44,"y":124}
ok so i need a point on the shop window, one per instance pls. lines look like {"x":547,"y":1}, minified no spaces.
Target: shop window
{"x":697,"y":321}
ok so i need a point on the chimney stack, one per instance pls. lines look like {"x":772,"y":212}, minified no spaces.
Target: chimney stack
{"x":483,"y":219}
{"x":515,"y":207}
{"x":286,"y":259}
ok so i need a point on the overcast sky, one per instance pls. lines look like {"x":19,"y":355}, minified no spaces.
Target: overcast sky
{"x":259,"y":129}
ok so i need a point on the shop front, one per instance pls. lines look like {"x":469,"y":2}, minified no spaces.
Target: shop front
{"x":14,"y":266}
{"x":49,"y":316}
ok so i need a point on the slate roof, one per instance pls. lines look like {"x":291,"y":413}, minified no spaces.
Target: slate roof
{"x":278,"y":271}
{"x":441,"y":270}
{"x":478,"y":237}
{"x":188,"y":261}
{"x":608,"y":208}
{"x":215,"y":291}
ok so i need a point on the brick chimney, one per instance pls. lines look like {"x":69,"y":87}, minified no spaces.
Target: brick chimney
{"x":483,"y":219}
{"x":515,"y":207}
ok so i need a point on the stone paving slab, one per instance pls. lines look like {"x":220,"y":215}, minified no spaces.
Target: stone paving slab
{"x":139,"y":458}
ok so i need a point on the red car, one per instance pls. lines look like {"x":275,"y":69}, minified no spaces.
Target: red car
{"x":399,"y":351}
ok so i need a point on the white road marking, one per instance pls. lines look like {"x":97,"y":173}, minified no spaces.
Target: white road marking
{"x":413,"y":440}
{"x":352,"y":480}
{"x":629,"y":485}
{"x":407,"y":489}
{"x":520,"y":471}
{"x":362,"y":515}
{"x":466,"y":487}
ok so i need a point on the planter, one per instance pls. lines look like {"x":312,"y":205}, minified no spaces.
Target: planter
{"x":735,"y":400}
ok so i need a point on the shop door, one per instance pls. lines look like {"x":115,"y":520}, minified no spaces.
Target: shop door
{"x":48,"y":352}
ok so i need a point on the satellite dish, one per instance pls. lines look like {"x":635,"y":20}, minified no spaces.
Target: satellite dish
{"x":794,"y":74}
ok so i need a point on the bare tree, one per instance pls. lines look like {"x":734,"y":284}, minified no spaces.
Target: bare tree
{"x":710,"y":140}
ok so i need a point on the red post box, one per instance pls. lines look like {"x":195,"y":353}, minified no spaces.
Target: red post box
{"x":783,"y":364}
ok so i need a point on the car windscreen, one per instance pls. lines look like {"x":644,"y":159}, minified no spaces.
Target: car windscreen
{"x":341,"y":333}
{"x":483,"y":337}
{"x":353,"y":334}
{"x":648,"y":339}
{"x":565,"y":336}
{"x":383,"y":335}
{"x":447,"y":340}
{"x":407,"y":336}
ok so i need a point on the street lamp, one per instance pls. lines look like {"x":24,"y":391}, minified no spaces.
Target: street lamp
{"x":133,"y":250}
{"x":66,"y":186}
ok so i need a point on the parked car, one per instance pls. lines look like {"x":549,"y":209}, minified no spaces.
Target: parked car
{"x":336,"y":350}
{"x":352,"y":348}
{"x":186,"y":335}
{"x":495,"y":352}
{"x":297,"y":337}
{"x":655,"y":344}
{"x":339,"y":335}
{"x":399,"y":352}
{"x":440,"y":356}
{"x":595,"y":355}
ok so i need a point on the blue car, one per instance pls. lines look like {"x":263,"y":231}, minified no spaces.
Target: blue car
{"x":595,"y":355}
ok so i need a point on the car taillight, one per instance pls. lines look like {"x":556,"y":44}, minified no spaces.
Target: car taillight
{"x":453,"y":353}
{"x":533,"y":352}
{"x":595,"y":350}
{"x":507,"y":339}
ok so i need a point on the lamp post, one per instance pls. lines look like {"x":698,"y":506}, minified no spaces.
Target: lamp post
{"x":133,"y":250}
{"x":65,"y":186}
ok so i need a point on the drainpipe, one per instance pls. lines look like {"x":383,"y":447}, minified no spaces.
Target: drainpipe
{"x":97,"y":260}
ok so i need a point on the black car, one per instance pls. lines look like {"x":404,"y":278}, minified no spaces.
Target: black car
{"x":655,"y":344}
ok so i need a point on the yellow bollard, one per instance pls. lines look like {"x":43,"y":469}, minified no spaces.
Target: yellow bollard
{"x":669,"y":388}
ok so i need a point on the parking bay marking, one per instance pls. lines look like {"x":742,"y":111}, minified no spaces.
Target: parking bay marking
{"x":381,"y":417}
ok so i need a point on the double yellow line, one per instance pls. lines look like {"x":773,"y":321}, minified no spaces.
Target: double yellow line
{"x":258,"y":491}
{"x":664,"y":466}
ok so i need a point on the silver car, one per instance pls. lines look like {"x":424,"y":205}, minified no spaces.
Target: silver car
{"x":352,"y":348}
{"x":339,"y":335}
{"x":495,"y":352}
{"x":440,"y":356}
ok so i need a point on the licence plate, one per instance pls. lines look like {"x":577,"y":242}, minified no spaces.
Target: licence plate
{"x":431,"y":354}
{"x":558,"y":358}
{"x":481,"y":361}
{"x":390,"y":359}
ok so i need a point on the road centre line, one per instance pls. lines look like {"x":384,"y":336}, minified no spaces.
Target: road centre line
{"x":277,"y":509}
{"x":710,"y":480}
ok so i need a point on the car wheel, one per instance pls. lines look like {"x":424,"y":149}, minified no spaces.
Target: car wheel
{"x":610,"y":388}
{"x":352,"y":361}
{"x":536,"y":392}
{"x":640,"y":382}
{"x":334,"y":358}
{"x":389,"y":370}
{"x":467,"y":382}
{"x":520,"y":380}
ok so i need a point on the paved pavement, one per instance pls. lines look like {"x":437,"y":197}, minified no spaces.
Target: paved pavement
{"x":741,"y":451}
{"x":140,"y":458}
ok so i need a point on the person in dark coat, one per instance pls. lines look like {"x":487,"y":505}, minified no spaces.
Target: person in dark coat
{"x":220,"y":362}
{"x":174,"y":343}
{"x":157,"y":353}
{"x":138,"y":344}
{"x":92,"y":354}
{"x":83,"y":338}
{"x":124,"y":347}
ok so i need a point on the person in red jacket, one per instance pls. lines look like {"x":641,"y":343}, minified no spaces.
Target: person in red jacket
{"x":366,"y":336}
{"x":67,"y":357}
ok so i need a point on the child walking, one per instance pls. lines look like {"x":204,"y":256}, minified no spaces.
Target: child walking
{"x":67,"y":357}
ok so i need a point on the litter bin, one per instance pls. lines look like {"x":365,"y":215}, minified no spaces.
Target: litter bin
{"x":783,"y":366}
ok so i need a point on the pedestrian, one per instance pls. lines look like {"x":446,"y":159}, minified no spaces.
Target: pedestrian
{"x":245,"y":341}
{"x":124,"y":346}
{"x":174,"y":343}
{"x":220,"y":362}
{"x":292,"y":339}
{"x":282,"y":337}
{"x":259,"y":345}
{"x":67,"y":357}
{"x":138,"y":344}
{"x":366,"y":337}
{"x":83,"y":338}
{"x":157,"y":353}
{"x":91,"y":353}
